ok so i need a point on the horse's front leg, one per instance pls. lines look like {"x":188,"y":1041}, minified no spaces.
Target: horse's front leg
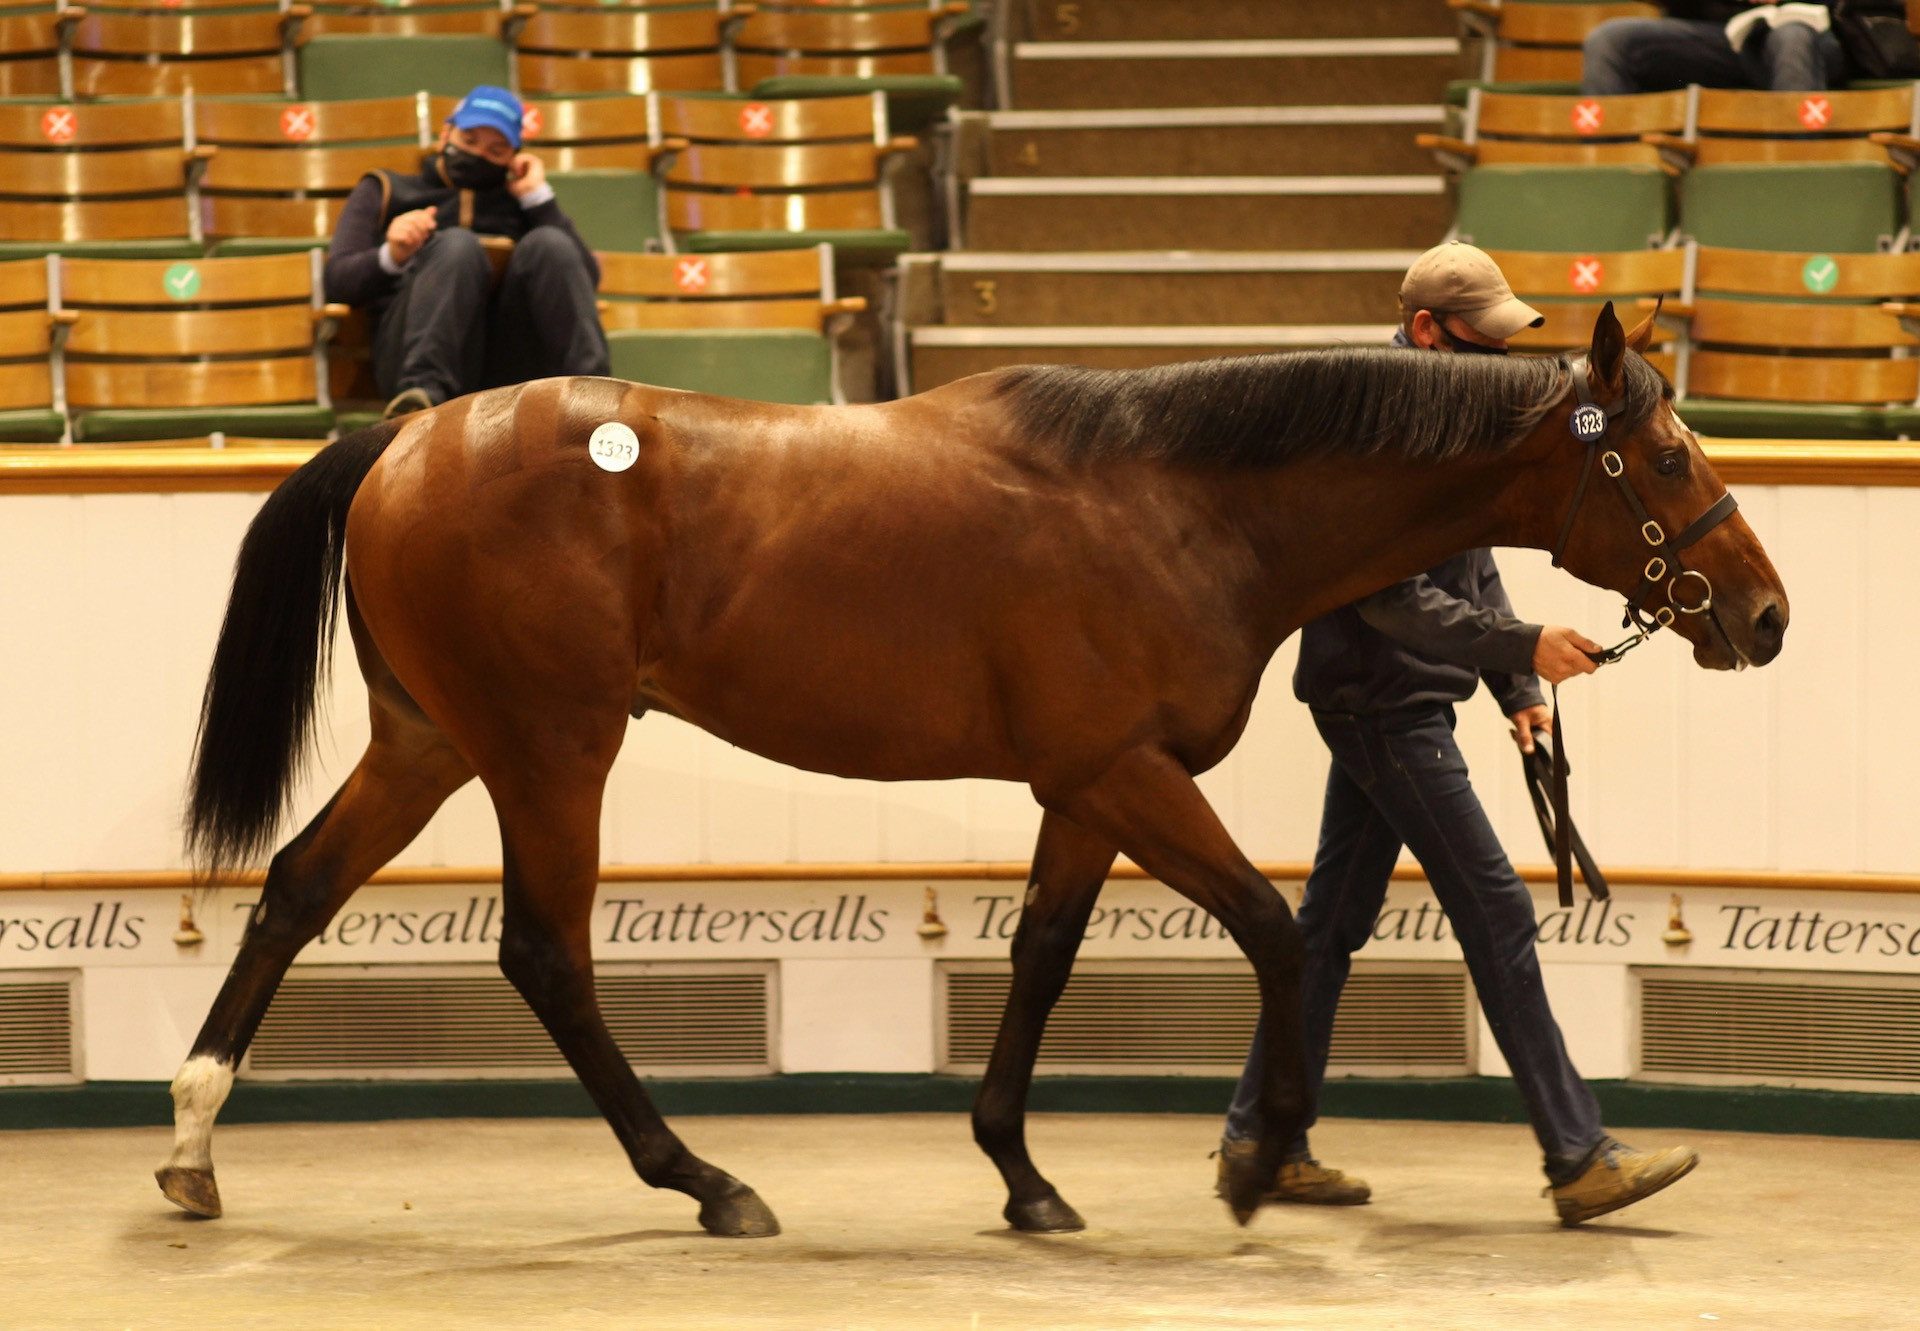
{"x":1069,"y":866}
{"x":1149,"y":806}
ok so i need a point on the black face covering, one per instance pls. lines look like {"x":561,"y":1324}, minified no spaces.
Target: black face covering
{"x":1471,"y":348}
{"x":465,"y":170}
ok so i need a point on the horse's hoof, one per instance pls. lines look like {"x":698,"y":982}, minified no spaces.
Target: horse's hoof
{"x":192,"y":1190}
{"x":738,"y":1215}
{"x":1044,"y":1215}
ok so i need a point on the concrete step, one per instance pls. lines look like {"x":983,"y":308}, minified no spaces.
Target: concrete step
{"x":1286,"y":72}
{"x":1209,"y":141}
{"x":1148,"y":20}
{"x":1207,"y":213}
{"x":941,"y":355}
{"x":1170,"y":289}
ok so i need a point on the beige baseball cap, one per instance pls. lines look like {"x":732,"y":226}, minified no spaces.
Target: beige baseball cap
{"x":1456,"y":278}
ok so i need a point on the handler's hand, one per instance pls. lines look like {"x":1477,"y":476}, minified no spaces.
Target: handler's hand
{"x":1561,"y":654}
{"x":527,"y":174}
{"x":409,"y":231}
{"x":1527,"y":721}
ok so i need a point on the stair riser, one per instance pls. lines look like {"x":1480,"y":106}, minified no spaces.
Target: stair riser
{"x":1212,"y":150}
{"x":1371,"y":80}
{"x":1016,"y":299}
{"x":1221,"y":222}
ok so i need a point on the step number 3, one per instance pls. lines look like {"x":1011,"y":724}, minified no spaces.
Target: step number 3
{"x":986,"y":297}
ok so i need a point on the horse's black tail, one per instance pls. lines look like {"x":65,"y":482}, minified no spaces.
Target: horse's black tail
{"x":257,"y":715}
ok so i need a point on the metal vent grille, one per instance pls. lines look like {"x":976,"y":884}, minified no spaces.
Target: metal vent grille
{"x":382,"y":1021}
{"x":36,"y":1028}
{"x":1395,"y":1019}
{"x":1854,"y":1032}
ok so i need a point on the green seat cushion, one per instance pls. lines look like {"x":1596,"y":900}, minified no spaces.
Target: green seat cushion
{"x":295,"y":422}
{"x":1458,"y":89}
{"x":784,"y":365}
{"x":242,"y":246}
{"x":1564,"y":207}
{"x":356,"y":418}
{"x":32,"y":425}
{"x":340,"y":67}
{"x":181,"y":248}
{"x":860,"y":248}
{"x":1735,"y":418}
{"x":1820,"y":206}
{"x":612,"y":210}
{"x":914,"y":101}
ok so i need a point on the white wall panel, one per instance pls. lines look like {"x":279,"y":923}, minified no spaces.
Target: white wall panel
{"x":109,"y":604}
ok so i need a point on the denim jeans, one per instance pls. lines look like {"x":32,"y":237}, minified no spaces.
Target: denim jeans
{"x":1402,"y":781}
{"x":1627,"y":55}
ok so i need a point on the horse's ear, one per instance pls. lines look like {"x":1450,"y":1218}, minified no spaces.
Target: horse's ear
{"x":1642,"y":335}
{"x":1607,"y":358}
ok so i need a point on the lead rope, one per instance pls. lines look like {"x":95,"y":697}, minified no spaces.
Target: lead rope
{"x":1546,"y":778}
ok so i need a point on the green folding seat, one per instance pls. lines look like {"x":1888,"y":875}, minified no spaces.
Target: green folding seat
{"x":1851,"y":207}
{"x":1571,"y":208}
{"x":766,"y":365}
{"x":333,"y":68}
{"x":612,"y":209}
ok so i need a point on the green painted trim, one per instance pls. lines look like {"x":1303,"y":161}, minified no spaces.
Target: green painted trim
{"x":131,"y":1104}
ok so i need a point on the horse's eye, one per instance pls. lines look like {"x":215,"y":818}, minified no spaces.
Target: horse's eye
{"x":1672,"y":464}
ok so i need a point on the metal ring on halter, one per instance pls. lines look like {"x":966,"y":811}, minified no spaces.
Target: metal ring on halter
{"x":1706,"y":601}
{"x":1656,"y":569}
{"x":1650,"y":532}
{"x":1612,"y":464}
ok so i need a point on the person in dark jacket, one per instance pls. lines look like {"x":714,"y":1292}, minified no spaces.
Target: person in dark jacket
{"x":408,"y":249}
{"x":1691,"y":45}
{"x":1382,"y":677}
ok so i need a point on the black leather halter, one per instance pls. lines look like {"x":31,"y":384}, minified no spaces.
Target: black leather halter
{"x":1590,"y":424}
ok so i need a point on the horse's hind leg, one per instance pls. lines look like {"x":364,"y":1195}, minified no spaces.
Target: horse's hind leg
{"x":549,"y":833}
{"x":407,"y":772}
{"x":1069,"y":866}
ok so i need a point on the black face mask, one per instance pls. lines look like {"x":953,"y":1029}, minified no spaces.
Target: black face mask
{"x":1470,"y":348}
{"x":465,"y":170}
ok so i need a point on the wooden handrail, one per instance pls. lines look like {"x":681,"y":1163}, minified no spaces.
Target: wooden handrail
{"x":98,"y":468}
{"x":175,"y":880}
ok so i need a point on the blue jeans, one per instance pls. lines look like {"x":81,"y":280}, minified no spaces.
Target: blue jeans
{"x":1627,"y":55}
{"x":1402,"y":781}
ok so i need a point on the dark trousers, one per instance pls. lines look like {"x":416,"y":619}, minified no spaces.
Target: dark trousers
{"x":450,"y":331}
{"x":1627,"y":55}
{"x":1404,"y":782}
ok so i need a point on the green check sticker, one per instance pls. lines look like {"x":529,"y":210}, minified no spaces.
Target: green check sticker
{"x":182,"y":281}
{"x":1820,"y":274}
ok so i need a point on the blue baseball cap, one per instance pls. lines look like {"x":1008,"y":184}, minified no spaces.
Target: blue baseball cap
{"x":490,"y":108}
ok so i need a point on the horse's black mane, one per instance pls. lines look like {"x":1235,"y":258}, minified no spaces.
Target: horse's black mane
{"x":1265,"y":411}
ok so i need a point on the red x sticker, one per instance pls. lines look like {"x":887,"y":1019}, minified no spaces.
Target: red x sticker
{"x":690,"y":274}
{"x":530,"y":123}
{"x":1816,"y":112}
{"x":297,"y":123}
{"x":58,"y":124}
{"x":1586,"y":273}
{"x":1588,"y":116}
{"x":756,"y":120}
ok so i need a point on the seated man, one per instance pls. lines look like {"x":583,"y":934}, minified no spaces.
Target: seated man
{"x":408,"y":249}
{"x":1627,"y":55}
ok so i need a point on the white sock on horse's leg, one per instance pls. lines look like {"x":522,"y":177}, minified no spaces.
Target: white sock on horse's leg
{"x":199,"y":1089}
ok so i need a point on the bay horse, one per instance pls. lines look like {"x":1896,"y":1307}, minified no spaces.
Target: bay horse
{"x":1068,"y":578}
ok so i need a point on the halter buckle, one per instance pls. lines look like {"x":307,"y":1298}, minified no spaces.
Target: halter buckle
{"x":1664,"y":616}
{"x":1655,"y":570}
{"x":1651,"y":532}
{"x":1613,"y":464}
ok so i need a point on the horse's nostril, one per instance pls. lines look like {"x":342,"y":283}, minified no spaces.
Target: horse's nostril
{"x":1771,"y":626}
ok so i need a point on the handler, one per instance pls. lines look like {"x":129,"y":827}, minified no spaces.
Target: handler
{"x":1382,"y":677}
{"x":408,"y":250}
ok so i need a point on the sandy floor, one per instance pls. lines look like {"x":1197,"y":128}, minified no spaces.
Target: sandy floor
{"x":893,"y":1222}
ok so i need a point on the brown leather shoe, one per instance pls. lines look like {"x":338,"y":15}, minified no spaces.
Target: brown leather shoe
{"x":1619,"y":1176}
{"x":1305,"y":1182}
